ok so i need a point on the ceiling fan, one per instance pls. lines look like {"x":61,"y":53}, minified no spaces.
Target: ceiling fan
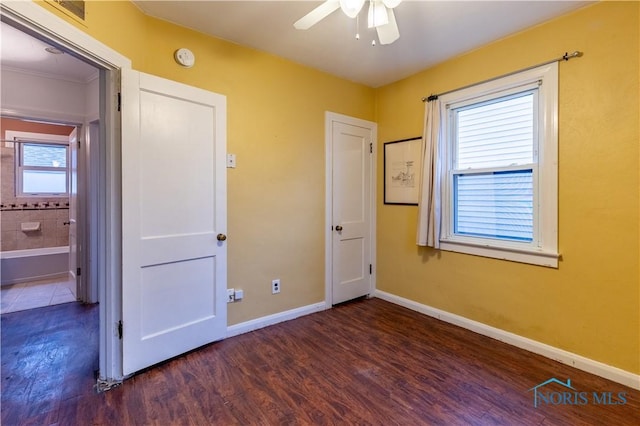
{"x":380,"y":16}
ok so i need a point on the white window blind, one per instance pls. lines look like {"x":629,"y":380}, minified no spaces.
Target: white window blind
{"x":495,"y":205}
{"x":489,"y":201}
{"x":496,"y":133}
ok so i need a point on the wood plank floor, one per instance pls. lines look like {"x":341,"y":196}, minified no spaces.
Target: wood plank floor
{"x":368,"y":363}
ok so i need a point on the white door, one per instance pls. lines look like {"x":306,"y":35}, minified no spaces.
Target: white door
{"x":173,"y":219}
{"x":351,"y":147}
{"x":74,"y":241}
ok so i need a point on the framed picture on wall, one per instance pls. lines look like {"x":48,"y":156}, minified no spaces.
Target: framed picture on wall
{"x":402,"y":165}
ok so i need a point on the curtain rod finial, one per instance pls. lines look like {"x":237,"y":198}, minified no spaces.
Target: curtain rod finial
{"x":575,"y":54}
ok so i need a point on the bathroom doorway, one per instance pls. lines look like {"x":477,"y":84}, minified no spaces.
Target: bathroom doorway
{"x":35,"y":212}
{"x":43,"y":102}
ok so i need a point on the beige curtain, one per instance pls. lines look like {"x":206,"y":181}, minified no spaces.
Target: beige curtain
{"x":429,"y":212}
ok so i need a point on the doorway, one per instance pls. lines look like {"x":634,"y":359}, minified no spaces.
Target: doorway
{"x":35,"y":203}
{"x":103,"y":219}
{"x":350,"y":199}
{"x":118,"y":272}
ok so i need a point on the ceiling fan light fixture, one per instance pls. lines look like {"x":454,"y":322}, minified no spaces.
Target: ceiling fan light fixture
{"x":351,"y":8}
{"x":377,"y":14}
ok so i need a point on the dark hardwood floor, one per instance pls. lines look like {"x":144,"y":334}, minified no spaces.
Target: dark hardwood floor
{"x":366,"y":362}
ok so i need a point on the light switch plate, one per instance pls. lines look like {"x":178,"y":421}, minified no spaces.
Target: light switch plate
{"x":231,"y":161}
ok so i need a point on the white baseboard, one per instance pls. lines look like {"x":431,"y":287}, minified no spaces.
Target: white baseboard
{"x":255,"y":324}
{"x":55,"y":275}
{"x":582,"y":363}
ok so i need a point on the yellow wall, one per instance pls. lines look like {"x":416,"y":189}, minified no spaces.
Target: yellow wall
{"x":275,"y":127}
{"x":590,"y":304}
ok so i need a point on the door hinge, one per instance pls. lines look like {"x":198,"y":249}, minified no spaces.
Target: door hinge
{"x":78,"y":271}
{"x":119,"y":100}
{"x":78,"y":143}
{"x":120,"y":329}
{"x":371,"y":148}
{"x":370,"y":269}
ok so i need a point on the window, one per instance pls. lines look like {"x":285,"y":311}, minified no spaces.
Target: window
{"x":41,"y":164}
{"x":500,"y":187}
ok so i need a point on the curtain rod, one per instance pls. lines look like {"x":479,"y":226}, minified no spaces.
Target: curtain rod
{"x":564,"y":57}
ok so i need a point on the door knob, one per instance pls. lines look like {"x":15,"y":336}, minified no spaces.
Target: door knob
{"x":221,"y":237}
{"x":338,"y":228}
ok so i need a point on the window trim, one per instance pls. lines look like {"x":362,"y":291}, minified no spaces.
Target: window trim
{"x":543,"y":250}
{"x":18,"y":138}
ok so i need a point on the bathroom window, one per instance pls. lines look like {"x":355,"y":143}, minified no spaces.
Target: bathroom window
{"x":42,"y":169}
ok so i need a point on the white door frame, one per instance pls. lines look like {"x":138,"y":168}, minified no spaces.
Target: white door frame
{"x":37,"y":21}
{"x":22,"y":113}
{"x":331,"y":117}
{"x":91,"y":212}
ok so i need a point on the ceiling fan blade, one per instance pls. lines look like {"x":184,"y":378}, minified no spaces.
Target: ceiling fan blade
{"x":389,"y":33}
{"x":377,"y":14}
{"x":317,"y":14}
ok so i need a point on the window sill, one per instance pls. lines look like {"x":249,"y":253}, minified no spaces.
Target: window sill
{"x":30,"y":196}
{"x":533,"y":257}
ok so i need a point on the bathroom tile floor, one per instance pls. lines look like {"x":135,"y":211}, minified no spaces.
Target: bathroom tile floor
{"x":36,"y":294}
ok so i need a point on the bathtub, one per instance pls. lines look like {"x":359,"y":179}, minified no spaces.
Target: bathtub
{"x":18,"y":266}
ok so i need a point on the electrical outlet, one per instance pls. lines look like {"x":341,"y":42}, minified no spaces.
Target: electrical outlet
{"x":238,"y":295}
{"x":231,"y":295}
{"x":275,"y":286}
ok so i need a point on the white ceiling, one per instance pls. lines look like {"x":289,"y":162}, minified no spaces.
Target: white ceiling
{"x":19,"y":51}
{"x":430,"y":31}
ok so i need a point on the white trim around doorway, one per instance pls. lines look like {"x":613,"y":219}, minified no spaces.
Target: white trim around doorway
{"x":331,"y":117}
{"x":39,"y":22}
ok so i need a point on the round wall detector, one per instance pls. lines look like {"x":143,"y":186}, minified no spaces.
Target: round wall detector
{"x":184,"y":57}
